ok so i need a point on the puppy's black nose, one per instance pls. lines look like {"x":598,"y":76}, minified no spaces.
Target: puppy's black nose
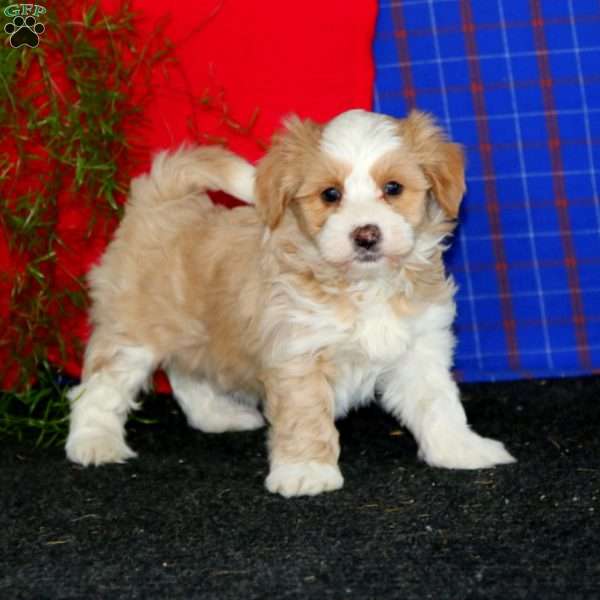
{"x":366,"y":236}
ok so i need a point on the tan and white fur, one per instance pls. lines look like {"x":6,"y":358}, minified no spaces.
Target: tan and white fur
{"x":308,"y":305}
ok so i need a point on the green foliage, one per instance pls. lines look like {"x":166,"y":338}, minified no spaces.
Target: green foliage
{"x":37,"y":414}
{"x":66,"y":108}
{"x":67,"y":112}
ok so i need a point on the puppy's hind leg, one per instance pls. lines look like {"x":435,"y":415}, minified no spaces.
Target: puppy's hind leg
{"x":99,"y":405}
{"x":209,"y":410}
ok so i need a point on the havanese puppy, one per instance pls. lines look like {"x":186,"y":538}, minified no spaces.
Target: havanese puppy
{"x":326,"y":295}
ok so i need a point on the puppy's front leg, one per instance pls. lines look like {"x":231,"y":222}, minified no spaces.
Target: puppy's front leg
{"x":421,"y":393}
{"x":303,"y":440}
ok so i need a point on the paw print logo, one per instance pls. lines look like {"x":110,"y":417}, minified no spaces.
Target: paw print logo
{"x":24,"y":32}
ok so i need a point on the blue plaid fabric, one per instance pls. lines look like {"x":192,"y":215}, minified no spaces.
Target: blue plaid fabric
{"x":518,"y":84}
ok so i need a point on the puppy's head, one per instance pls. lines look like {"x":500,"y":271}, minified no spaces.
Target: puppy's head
{"x":362,"y":186}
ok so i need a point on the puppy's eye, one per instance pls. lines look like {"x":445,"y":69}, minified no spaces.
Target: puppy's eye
{"x":392,"y":188}
{"x":331,"y":195}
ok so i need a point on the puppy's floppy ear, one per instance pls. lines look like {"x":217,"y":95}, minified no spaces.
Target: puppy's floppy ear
{"x":279,"y":173}
{"x":443,"y":162}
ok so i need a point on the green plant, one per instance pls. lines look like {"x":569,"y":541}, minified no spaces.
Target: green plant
{"x":39,"y":413}
{"x":68,"y":109}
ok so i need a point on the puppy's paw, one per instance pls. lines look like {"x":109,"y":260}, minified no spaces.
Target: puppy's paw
{"x":92,"y":446}
{"x":464,"y":449}
{"x":304,"y":479}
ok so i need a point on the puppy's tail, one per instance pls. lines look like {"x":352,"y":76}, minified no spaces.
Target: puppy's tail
{"x":189,"y":169}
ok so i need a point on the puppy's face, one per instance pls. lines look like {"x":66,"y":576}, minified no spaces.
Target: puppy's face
{"x":359,"y":187}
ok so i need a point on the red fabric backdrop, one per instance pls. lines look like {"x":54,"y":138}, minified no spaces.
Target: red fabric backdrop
{"x":257,"y":61}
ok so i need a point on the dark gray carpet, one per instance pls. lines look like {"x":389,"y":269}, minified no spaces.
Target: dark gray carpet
{"x":190,"y":517}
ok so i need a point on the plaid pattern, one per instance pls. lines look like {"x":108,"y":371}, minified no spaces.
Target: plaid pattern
{"x":518,"y":84}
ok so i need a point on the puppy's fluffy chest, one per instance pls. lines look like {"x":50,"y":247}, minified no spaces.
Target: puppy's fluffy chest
{"x":375,"y":333}
{"x":377,"y":339}
{"x":361,"y":335}
{"x":349,"y":327}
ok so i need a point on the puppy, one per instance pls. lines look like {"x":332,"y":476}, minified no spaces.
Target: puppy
{"x":329,"y":293}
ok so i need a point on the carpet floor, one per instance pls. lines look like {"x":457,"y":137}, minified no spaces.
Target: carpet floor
{"x":190,"y":517}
